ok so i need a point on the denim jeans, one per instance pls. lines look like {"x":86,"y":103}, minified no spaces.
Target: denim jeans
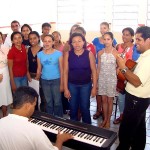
{"x":43,"y":100}
{"x":51,"y":89}
{"x":20,"y":81}
{"x":80,"y":98}
{"x":121,"y":102}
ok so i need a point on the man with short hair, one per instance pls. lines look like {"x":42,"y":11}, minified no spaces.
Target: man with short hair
{"x":17,"y":133}
{"x":15,"y":27}
{"x":132,"y":131}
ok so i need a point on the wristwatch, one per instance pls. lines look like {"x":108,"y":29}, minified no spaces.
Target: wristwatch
{"x":123,"y":71}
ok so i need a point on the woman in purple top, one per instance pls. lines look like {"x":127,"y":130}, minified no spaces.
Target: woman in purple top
{"x":79,"y":67}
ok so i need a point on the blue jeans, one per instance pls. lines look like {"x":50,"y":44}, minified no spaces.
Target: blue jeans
{"x":121,"y":102}
{"x":51,"y":89}
{"x":20,"y":81}
{"x":80,"y":98}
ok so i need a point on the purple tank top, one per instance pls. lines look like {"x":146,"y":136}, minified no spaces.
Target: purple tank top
{"x":79,"y":68}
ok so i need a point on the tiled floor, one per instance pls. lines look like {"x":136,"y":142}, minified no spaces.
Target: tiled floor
{"x":116,"y":127}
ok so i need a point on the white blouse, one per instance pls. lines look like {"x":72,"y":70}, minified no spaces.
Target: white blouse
{"x":3,"y":56}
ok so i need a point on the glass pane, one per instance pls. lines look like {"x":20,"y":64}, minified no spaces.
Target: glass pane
{"x":125,"y":16}
{"x":125,"y":2}
{"x":126,"y":8}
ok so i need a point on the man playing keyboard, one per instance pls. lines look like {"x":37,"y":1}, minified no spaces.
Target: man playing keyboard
{"x":17,"y":133}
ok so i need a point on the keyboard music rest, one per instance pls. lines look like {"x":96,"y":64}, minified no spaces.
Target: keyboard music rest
{"x":106,"y":137}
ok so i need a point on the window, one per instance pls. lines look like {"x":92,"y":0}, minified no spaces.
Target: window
{"x":68,"y":13}
{"x":125,"y":14}
{"x":87,"y":12}
{"x":91,"y":13}
{"x":148,"y":12}
{"x":94,"y":12}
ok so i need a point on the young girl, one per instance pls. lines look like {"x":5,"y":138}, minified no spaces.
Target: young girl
{"x":107,"y":78}
{"x":25,"y":30}
{"x":34,"y":39}
{"x":17,"y":62}
{"x":99,"y":45}
{"x":5,"y":89}
{"x":46,"y":28}
{"x":50,"y":67}
{"x":57,"y":41}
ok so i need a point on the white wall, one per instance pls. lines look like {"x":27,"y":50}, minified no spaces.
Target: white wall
{"x":27,"y":11}
{"x":39,"y":11}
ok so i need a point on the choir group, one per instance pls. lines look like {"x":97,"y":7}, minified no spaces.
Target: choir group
{"x":71,"y":72}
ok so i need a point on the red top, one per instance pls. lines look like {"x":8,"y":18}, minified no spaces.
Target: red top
{"x":19,"y":58}
{"x":91,"y":48}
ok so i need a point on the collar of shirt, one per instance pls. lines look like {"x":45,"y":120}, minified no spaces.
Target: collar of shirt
{"x":147,"y":52}
{"x":18,"y":117}
{"x":16,"y":49}
{"x":143,"y":55}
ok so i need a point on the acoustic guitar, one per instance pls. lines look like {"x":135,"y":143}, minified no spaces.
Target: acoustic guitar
{"x":121,"y":80}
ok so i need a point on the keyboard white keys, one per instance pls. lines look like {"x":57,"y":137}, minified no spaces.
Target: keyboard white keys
{"x":78,"y":136}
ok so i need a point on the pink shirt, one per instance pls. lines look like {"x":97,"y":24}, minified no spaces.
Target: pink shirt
{"x":128,"y":51}
{"x":3,"y":56}
{"x":61,"y":48}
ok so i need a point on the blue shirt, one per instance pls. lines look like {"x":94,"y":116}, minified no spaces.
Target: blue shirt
{"x":99,"y":46}
{"x":50,"y":65}
{"x":136,"y":53}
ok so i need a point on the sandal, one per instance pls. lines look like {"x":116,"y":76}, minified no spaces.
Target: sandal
{"x":117,"y":121}
{"x":97,"y":115}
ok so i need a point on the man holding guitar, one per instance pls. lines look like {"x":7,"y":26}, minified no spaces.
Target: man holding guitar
{"x":132,"y":131}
